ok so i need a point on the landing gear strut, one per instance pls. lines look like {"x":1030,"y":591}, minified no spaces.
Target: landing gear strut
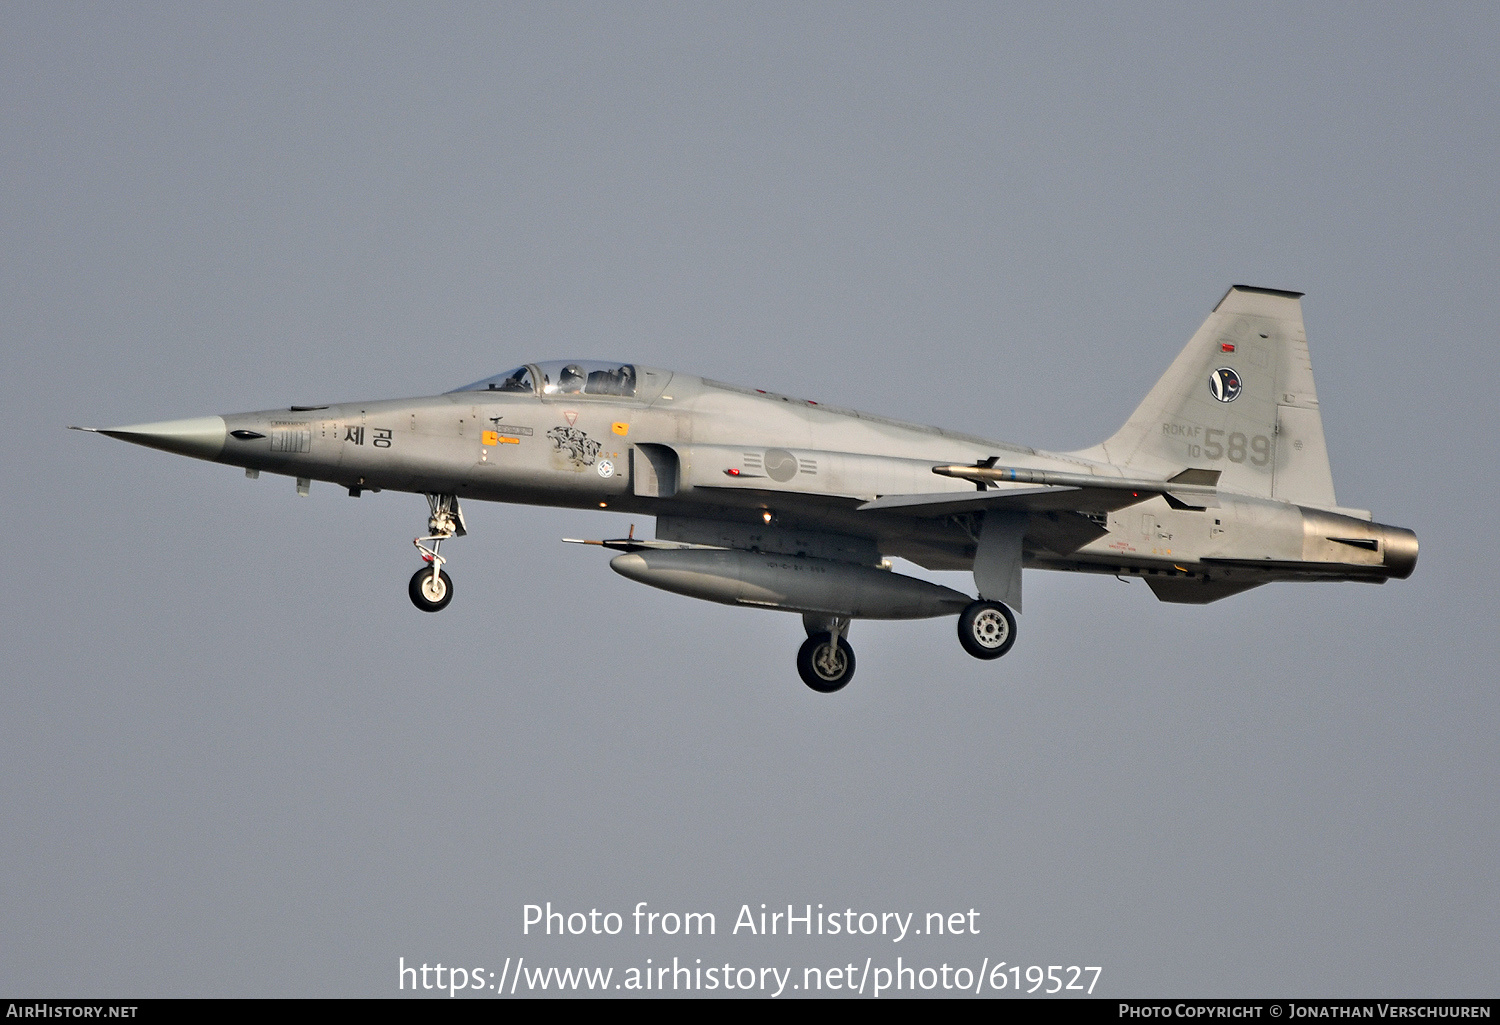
{"x":825,"y":661}
{"x":987,"y":629}
{"x":431,"y":589}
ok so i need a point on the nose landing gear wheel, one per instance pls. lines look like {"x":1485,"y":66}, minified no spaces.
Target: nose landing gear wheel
{"x":986,"y":629}
{"x":430,"y":588}
{"x":825,"y":663}
{"x":429,"y":594}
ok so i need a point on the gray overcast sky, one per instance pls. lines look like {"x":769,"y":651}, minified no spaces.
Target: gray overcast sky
{"x":234,"y":760}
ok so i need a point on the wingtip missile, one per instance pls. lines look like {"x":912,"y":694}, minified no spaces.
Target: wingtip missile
{"x":1192,"y":482}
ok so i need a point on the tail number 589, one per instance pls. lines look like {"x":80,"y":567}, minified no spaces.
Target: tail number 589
{"x":1237,"y":447}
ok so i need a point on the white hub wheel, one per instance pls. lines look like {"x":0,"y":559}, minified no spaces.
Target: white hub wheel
{"x":428,"y":594}
{"x":825,"y":663}
{"x":987,"y":629}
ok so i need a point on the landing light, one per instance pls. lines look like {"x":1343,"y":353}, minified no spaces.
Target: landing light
{"x":766,"y":516}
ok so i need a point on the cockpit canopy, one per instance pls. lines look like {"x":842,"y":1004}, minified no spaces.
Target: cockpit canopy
{"x":564,"y":378}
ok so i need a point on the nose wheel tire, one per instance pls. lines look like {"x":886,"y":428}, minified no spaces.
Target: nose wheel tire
{"x":825,"y":663}
{"x":987,"y":629}
{"x":428,"y":594}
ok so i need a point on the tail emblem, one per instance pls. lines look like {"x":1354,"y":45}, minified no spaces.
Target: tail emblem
{"x":1225,"y":385}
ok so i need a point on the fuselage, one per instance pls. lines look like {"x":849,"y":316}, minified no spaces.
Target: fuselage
{"x":700,"y":455}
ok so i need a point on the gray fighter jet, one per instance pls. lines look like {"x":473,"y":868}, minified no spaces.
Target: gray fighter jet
{"x":1218,"y":482}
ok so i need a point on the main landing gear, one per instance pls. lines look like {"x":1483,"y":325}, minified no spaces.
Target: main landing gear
{"x":986,"y":629}
{"x":431,"y":589}
{"x":825,"y":661}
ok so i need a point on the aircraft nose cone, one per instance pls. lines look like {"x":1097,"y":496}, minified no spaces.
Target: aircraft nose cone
{"x":202,"y":437}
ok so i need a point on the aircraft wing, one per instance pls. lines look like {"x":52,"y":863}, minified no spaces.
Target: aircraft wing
{"x":877,"y":497}
{"x":1059,"y":519}
{"x":1064,"y":511}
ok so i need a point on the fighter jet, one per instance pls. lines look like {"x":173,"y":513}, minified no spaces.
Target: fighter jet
{"x":1217,"y":483}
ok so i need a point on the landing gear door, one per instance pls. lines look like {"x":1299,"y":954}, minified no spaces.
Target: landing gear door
{"x":997,"y":559}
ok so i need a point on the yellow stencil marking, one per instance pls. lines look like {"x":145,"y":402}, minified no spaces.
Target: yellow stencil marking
{"x":620,"y":429}
{"x":490,"y":438}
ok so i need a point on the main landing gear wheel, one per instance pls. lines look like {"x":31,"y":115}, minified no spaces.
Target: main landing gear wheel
{"x":429,"y":593}
{"x":825,"y":662}
{"x":986,"y":629}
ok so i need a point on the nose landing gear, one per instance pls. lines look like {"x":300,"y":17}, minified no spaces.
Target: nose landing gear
{"x":431,"y":589}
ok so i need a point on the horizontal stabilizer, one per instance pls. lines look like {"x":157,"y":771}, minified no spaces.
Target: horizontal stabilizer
{"x":1196,"y":503}
{"x":1196,"y":590}
{"x":1207,"y":478}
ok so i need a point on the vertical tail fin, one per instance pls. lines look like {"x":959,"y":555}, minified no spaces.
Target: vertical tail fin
{"x":1239,"y":398}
